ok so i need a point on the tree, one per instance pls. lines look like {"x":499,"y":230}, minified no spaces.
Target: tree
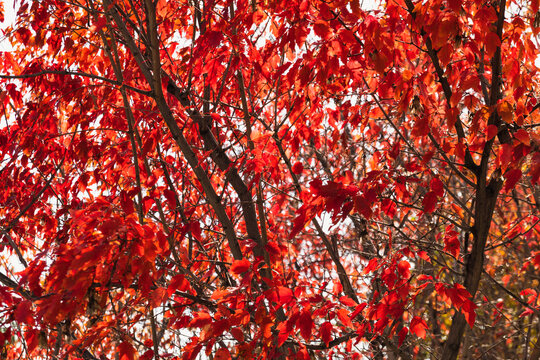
{"x":243,"y":179}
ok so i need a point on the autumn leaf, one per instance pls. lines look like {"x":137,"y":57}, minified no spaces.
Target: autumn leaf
{"x":343,"y":316}
{"x":283,"y":156}
{"x":402,"y":334}
{"x":284,"y":294}
{"x":492,"y":42}
{"x":147,"y":355}
{"x":452,"y":244}
{"x":523,"y":136}
{"x":347,"y":301}
{"x":238,"y":334}
{"x":239,"y":267}
{"x":23,"y":312}
{"x":126,"y":351}
{"x":491,"y":131}
{"x":325,"y":332}
{"x":297,"y":168}
{"x":430,"y":201}
{"x":506,"y":111}
{"x":512,"y":177}
{"x":178,"y":282}
{"x":222,"y":354}
{"x":305,"y":324}
{"x":200,"y":319}
{"x":158,"y":296}
{"x":418,"y":327}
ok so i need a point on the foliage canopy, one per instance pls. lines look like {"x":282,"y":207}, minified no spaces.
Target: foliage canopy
{"x":273,"y":179}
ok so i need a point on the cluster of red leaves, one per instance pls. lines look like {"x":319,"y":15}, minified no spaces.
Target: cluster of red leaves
{"x":274,"y":179}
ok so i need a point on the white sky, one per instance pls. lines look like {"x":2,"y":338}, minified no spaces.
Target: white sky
{"x":9,"y":18}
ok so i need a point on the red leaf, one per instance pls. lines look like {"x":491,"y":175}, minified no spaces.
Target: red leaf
{"x":362,"y":206}
{"x":321,"y":29}
{"x":284,"y":330}
{"x":148,"y":355}
{"x":535,"y":168}
{"x":359,"y":308}
{"x":404,"y":269}
{"x":178,"y":282}
{"x":401,"y":335}
{"x":158,"y":296}
{"x":305,"y":324}
{"x":491,"y":131}
{"x":418,"y":326}
{"x":222,"y":354}
{"x":512,"y":177}
{"x":337,"y":288}
{"x":430,"y":202}
{"x":523,"y":136}
{"x":32,"y":339}
{"x":126,"y":203}
{"x":325,"y":332}
{"x":371,"y":266}
{"x":99,"y":24}
{"x":285,"y":294}
{"x":437,"y":186}
{"x":343,"y":316}
{"x":297,"y":168}
{"x":238,"y":334}
{"x":200,"y":319}
{"x":23,"y":312}
{"x":389,"y":207}
{"x":347,"y":301}
{"x":213,"y":38}
{"x":240,"y":266}
{"x":126,"y":351}
{"x":452,"y":244}
{"x":492,"y":42}
{"x":171,"y":198}
{"x":468,"y":311}
{"x":280,"y":295}
{"x":299,"y":222}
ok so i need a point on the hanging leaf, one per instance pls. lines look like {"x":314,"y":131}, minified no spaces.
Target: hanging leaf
{"x":418,"y":327}
{"x":305,"y":324}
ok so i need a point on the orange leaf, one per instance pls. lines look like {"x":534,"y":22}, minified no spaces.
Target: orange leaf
{"x":158,"y":296}
{"x":505,"y":111}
